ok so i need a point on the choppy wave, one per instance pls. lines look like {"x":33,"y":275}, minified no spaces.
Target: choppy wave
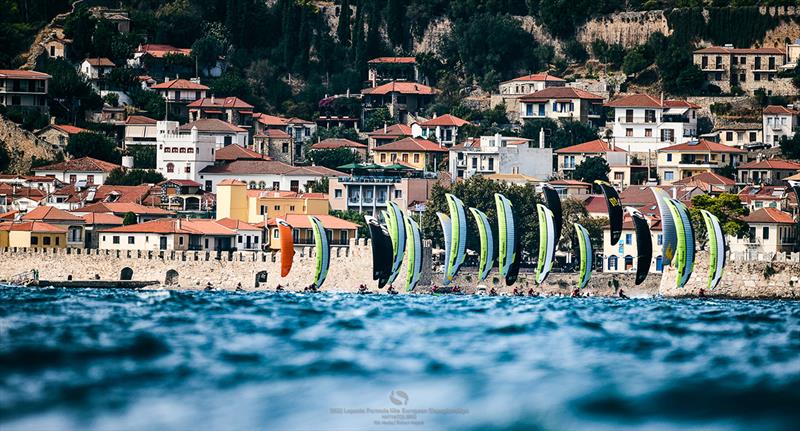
{"x":99,"y":359}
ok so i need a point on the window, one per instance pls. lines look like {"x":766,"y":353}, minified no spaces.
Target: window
{"x":90,"y":179}
{"x":649,"y":116}
{"x":208,"y":185}
{"x":276,"y":185}
{"x":491,"y":163}
{"x":628,"y":263}
{"x":73,"y":179}
{"x":285,"y":147}
{"x":416,"y":158}
{"x":629,"y":115}
{"x":405,"y":157}
{"x":228,"y":140}
{"x":180,"y":240}
{"x":252,"y":185}
{"x":262,"y":185}
{"x":669,"y":157}
{"x":383,"y":157}
{"x":398,"y":194}
{"x":669,"y":176}
{"x":765,"y":233}
{"x":187,"y":169}
{"x":182,"y":150}
{"x":619,"y":176}
{"x":629,"y":132}
{"x":291,"y":207}
{"x":276,"y":234}
{"x":529,"y":109}
{"x":628,"y":238}
{"x":34,"y":240}
{"x":206,"y":246}
{"x":115,"y":239}
{"x":660,"y":239}
{"x":753,"y":137}
{"x":190,"y":150}
{"x":648,"y":133}
{"x":728,"y":136}
{"x":46,"y":240}
{"x":612,"y":263}
{"x":170,"y":168}
{"x":131,"y":240}
{"x":239,"y":239}
{"x":277,"y":207}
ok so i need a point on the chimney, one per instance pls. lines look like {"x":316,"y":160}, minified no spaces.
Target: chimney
{"x":611,"y":144}
{"x":498,"y":140}
{"x":178,"y":223}
{"x":212,"y":99}
{"x":166,"y":79}
{"x":541,"y":137}
{"x":434,"y":115}
{"x":662,"y":99}
{"x":52,"y":120}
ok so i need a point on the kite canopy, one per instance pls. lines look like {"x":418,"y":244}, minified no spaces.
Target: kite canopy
{"x":553,"y":203}
{"x":669,"y":236}
{"x":381,"y":251}
{"x":444,"y":221}
{"x":644,"y":245}
{"x":614,"y":210}
{"x":414,"y":250}
{"x":507,"y":240}
{"x":323,"y":251}
{"x":397,"y":233}
{"x":547,"y":243}
{"x":487,"y":243}
{"x":716,"y":248}
{"x":584,"y":254}
{"x":287,"y":246}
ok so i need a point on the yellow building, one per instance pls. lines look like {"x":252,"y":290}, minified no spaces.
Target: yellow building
{"x":419,"y":154}
{"x":340,"y":232}
{"x":32,"y":235}
{"x":234,"y":201}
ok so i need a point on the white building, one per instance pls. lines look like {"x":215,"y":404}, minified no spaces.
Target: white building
{"x":183,"y":151}
{"x":443,"y":129}
{"x":94,"y":69}
{"x":623,"y":256}
{"x":264,"y":175}
{"x":140,"y":130}
{"x":642,"y":123}
{"x":86,"y":171}
{"x":23,"y":88}
{"x":771,"y":231}
{"x":497,"y":154}
{"x":779,"y":121}
{"x":562,"y":103}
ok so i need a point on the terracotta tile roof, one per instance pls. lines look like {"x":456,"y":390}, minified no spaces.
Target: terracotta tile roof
{"x":273,"y":134}
{"x":224,"y":103}
{"x":393,"y":131}
{"x":295,"y":120}
{"x":266,"y":167}
{"x":83,"y":164}
{"x":184,"y":226}
{"x":237,"y":152}
{"x":162,"y":50}
{"x":591,"y":147}
{"x":729,"y":50}
{"x":332,"y":143}
{"x":595,"y":204}
{"x":301,"y":221}
{"x":123,"y":194}
{"x":542,"y":76}
{"x":627,"y":222}
{"x":764,"y":193}
{"x":231,"y":182}
{"x":184,"y":183}
{"x":739,"y":126}
{"x":393,"y":60}
{"x":122,"y":208}
{"x":777,"y":164}
{"x":68,"y":129}
{"x":51,"y":214}
{"x":212,"y":125}
{"x":102,"y":219}
{"x":32,"y":226}
{"x":180,"y":84}
{"x":560,"y":93}
{"x":705,"y":179}
{"x":780,"y":110}
{"x":18,"y":192}
{"x":569,"y":183}
{"x":270,"y":120}
{"x":22,"y":74}
{"x":402,"y":88}
{"x":140,"y":119}
{"x":100,"y":62}
{"x":237,"y":224}
{"x":444,"y":120}
{"x":769,"y":215}
{"x":412,"y":144}
{"x":702,"y":145}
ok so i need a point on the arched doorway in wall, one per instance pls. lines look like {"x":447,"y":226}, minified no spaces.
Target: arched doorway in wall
{"x":126,"y":274}
{"x":171,"y":278}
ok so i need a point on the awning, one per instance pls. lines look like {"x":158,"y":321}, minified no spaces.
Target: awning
{"x":676,"y":111}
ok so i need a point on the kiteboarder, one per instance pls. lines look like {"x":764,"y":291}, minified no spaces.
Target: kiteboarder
{"x":362,"y":289}
{"x":531,"y":292}
{"x":279,"y":288}
{"x":391,"y":290}
{"x":702,"y":293}
{"x":576,"y":293}
{"x":492,"y":292}
{"x":622,"y":295}
{"x":455,"y":289}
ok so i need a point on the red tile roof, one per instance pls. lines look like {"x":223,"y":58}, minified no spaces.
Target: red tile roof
{"x":122,"y":208}
{"x":402,"y":88}
{"x":705,"y":179}
{"x":393,"y":131}
{"x":102,"y":219}
{"x":100,"y":62}
{"x":225,"y":103}
{"x":32,"y":226}
{"x":83,"y":164}
{"x":595,"y":204}
{"x":183,"y":226}
{"x":591,"y":147}
{"x":780,"y":110}
{"x":769,"y":215}
{"x":777,"y":164}
{"x":412,"y":144}
{"x":237,"y":224}
{"x":140,"y":119}
{"x":212,"y":125}
{"x":105,"y":192}
{"x":273,"y":134}
{"x":232,"y":182}
{"x":569,"y":183}
{"x":560,"y":93}
{"x":161,"y":50}
{"x":301,"y":221}
{"x":444,"y":120}
{"x":542,"y":76}
{"x":51,"y":214}
{"x":68,"y":129}
{"x":11,"y":215}
{"x":647,"y":101}
{"x":258,"y":167}
{"x":22,"y":74}
{"x":730,"y":50}
{"x":703,"y":145}
{"x":393,"y":60}
{"x":180,"y":84}
{"x":332,"y":143}
{"x":270,"y":120}
{"x":236,"y":152}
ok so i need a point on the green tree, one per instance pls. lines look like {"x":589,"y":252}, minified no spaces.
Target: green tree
{"x":129,"y":219}
{"x":320,"y":186}
{"x":635,"y":62}
{"x":335,"y":132}
{"x":70,"y":96}
{"x":231,"y":84}
{"x":727,"y":207}
{"x":592,"y":169}
{"x":353,"y":217}
{"x":377,"y":119}
{"x":395,"y":21}
{"x":790,"y":147}
{"x":343,"y":28}
{"x":144,"y":156}
{"x":5,"y":158}
{"x":133,"y":177}
{"x":206,"y":51}
{"x":95,"y":145}
{"x":333,"y":158}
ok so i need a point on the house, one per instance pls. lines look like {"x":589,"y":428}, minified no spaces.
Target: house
{"x":96,"y":71}
{"x":107,"y":114}
{"x":443,"y":130}
{"x":771,"y":231}
{"x":184,"y":196}
{"x":740,"y":135}
{"x":58,"y":134}
{"x":265,"y":175}
{"x":562,"y":103}
{"x":55,"y":45}
{"x":684,"y":160}
{"x":152,"y":57}
{"x":710,"y":182}
{"x":622,"y":170}
{"x":45,"y":184}
{"x":642,"y":196}
{"x":370,"y":194}
{"x":595,"y":205}
{"x":179,"y":93}
{"x":415,"y":153}
{"x":255,"y":206}
{"x":231,"y":110}
{"x":623,"y":256}
{"x":756,"y":197}
{"x":334,"y":143}
{"x":515,"y":179}
{"x":121,"y":209}
{"x":24,"y":89}
{"x":343,"y":121}
{"x":387,"y":134}
{"x":749,"y":69}
{"x":567,"y":188}
{"x":94,"y":223}
{"x":277,"y":145}
{"x":643,"y":123}
{"x":402,"y":99}
{"x":72,"y":224}
{"x":85,"y":170}
{"x":386,"y":69}
{"x":511,"y":91}
{"x":169,"y":234}
{"x":498,"y":154}
{"x":32,"y":234}
{"x":183,"y":151}
{"x":771,"y":171}
{"x":72,"y":196}
{"x":248,"y":237}
{"x":339,"y":231}
{"x":778,"y":122}
{"x":140,"y":130}
{"x":118,"y":17}
{"x":20,"y":197}
{"x":235,"y":152}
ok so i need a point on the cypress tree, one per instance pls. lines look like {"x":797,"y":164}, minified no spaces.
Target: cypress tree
{"x":343,"y":30}
{"x":395,"y":25}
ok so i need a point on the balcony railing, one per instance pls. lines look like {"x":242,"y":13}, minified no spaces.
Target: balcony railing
{"x":369,"y":179}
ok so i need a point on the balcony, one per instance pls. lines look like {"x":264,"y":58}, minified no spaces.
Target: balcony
{"x":636,"y":120}
{"x":369,"y":180}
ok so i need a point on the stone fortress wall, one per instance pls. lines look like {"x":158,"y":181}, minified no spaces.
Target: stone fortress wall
{"x":745,"y":276}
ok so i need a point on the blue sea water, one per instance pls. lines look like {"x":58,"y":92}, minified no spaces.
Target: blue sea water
{"x":102,"y":359}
